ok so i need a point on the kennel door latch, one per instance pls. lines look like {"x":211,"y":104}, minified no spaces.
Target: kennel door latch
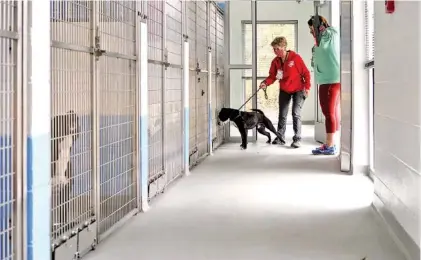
{"x":198,"y":69}
{"x":98,"y":52}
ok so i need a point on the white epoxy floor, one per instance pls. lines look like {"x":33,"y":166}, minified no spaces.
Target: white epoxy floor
{"x":265,"y":203}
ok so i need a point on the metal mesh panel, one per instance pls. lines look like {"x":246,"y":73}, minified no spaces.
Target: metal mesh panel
{"x":212,"y":34}
{"x":220,"y":89}
{"x":202,"y":113}
{"x":117,"y":26}
{"x":201,"y":79}
{"x":117,"y":111}
{"x":173,"y":92}
{"x":191,"y":31}
{"x":220,"y":42}
{"x":155,"y":84}
{"x":173,"y":123}
{"x":8,"y":87}
{"x":155,"y":19}
{"x":191,"y":24}
{"x":174,"y":31}
{"x":70,"y":22}
{"x":201,"y":34}
{"x":71,"y":112}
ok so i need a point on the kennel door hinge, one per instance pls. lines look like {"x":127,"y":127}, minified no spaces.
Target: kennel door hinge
{"x":10,"y":47}
{"x":98,"y":52}
{"x":142,"y":16}
{"x":165,"y":62}
{"x":218,"y":73}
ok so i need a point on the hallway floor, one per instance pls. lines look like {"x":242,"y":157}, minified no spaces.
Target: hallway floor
{"x":265,"y":203}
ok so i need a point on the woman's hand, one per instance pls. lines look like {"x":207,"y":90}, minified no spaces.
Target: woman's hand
{"x":263,"y":85}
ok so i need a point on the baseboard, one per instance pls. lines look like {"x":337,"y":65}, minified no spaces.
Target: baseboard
{"x":361,"y":169}
{"x":304,"y":122}
{"x":308,"y":122}
{"x":345,"y":159}
{"x":400,"y":236}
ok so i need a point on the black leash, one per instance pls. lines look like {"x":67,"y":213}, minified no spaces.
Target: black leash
{"x":316,"y":23}
{"x":254,"y":94}
{"x":266,"y":97}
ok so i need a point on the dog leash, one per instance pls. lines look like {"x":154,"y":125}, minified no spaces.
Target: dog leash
{"x":266,"y":94}
{"x":239,"y":109}
{"x":254,"y":94}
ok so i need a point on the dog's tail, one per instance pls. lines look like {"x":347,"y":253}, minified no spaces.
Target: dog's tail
{"x":257,"y":110}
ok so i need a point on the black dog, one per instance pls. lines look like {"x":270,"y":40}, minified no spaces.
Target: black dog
{"x":246,"y":121}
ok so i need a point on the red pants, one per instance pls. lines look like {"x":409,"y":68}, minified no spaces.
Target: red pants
{"x":329,"y":97}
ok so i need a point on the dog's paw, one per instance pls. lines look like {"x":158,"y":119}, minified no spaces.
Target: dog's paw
{"x":268,"y":141}
{"x":243,"y":147}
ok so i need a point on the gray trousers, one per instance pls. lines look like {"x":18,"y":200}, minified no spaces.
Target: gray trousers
{"x":298,"y":99}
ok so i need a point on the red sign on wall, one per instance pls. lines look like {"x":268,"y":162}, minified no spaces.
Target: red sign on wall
{"x":390,"y":6}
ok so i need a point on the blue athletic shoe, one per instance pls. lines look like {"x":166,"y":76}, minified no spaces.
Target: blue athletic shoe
{"x":318,"y":149}
{"x":324,"y":150}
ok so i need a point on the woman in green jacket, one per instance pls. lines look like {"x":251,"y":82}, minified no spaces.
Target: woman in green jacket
{"x":326,"y":64}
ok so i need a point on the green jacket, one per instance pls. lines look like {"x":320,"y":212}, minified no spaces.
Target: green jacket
{"x":326,"y":58}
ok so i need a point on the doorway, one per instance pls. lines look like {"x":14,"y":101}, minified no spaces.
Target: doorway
{"x":266,"y":32}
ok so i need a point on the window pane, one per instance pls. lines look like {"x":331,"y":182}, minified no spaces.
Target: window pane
{"x":265,"y":34}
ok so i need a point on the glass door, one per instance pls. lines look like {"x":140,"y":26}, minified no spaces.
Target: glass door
{"x":239,"y":70}
{"x":238,"y":95}
{"x":267,"y":30}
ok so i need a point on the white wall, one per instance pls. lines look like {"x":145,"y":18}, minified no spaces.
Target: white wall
{"x":397,"y":112}
{"x":359,"y":131}
{"x":266,"y":11}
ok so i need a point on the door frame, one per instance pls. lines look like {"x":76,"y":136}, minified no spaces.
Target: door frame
{"x":319,"y":124}
{"x":260,"y":78}
{"x":229,"y":66}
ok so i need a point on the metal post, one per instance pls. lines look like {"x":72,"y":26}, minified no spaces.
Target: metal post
{"x":227,"y":48}
{"x":95,"y":119}
{"x":254,"y":55}
{"x":210,"y":102}
{"x":25,"y":122}
{"x":186,"y":92}
{"x":210,"y":146}
{"x":217,"y":102}
{"x":19,"y":150}
{"x":38,"y":134}
{"x":137,"y":162}
{"x":186,"y":97}
{"x":143,"y":98}
{"x":137,"y":128}
{"x":164,"y":83}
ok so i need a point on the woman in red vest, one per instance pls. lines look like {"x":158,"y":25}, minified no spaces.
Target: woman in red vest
{"x":294,"y":83}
